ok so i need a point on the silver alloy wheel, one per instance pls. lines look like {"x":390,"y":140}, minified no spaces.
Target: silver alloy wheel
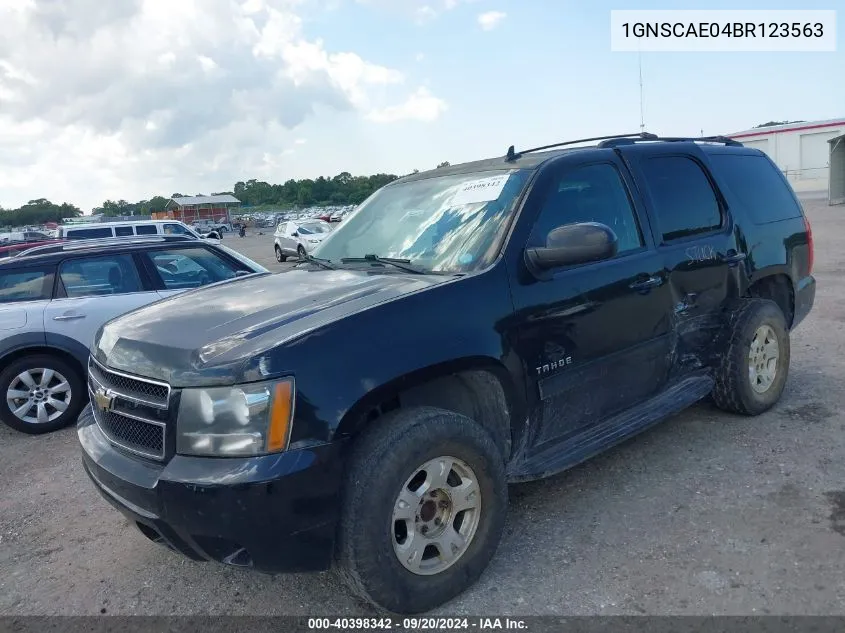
{"x":38,"y":395}
{"x":763,"y":356}
{"x":278,"y":254}
{"x":436,"y":515}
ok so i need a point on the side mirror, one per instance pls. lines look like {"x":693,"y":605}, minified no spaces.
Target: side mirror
{"x":573,"y":244}
{"x":295,"y":234}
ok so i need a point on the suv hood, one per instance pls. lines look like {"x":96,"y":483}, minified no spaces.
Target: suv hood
{"x":206,"y":336}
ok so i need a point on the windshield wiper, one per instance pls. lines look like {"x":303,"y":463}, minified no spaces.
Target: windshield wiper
{"x":320,"y":262}
{"x":404,"y":264}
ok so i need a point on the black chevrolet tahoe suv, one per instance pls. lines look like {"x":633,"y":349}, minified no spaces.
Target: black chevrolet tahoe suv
{"x":464,"y":328}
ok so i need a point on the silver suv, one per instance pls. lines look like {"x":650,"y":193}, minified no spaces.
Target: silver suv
{"x":54,"y":298}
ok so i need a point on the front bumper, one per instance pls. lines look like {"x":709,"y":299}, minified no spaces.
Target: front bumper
{"x":273,"y":513}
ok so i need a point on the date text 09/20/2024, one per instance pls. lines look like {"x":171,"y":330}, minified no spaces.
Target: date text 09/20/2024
{"x":417,"y":624}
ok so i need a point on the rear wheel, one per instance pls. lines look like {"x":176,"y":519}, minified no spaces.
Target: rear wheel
{"x":755,"y":361}
{"x":40,"y":393}
{"x":423,"y":509}
{"x":279,"y":256}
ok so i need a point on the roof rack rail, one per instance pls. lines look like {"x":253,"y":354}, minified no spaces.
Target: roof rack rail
{"x":74,"y":245}
{"x":513,"y":154}
{"x":615,"y":142}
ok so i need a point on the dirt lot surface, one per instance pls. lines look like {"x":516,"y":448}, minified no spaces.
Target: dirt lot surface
{"x":706,"y":514}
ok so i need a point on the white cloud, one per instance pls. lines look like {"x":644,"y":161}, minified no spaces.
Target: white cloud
{"x":301,"y":141}
{"x":420,"y":106}
{"x":421,"y":11}
{"x":102,"y":99}
{"x":491,"y":19}
{"x":419,"y":57}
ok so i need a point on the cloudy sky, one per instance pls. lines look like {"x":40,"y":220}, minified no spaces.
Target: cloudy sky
{"x":134,"y":98}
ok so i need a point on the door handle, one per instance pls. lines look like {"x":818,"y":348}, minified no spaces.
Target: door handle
{"x":68,"y":317}
{"x":646,"y":284}
{"x":733,"y":258}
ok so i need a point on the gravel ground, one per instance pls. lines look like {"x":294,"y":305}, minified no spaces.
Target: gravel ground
{"x":705,"y":514}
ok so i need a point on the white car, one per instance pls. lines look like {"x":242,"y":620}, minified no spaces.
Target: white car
{"x":54,"y":298}
{"x":131,"y":229}
{"x":299,"y":237}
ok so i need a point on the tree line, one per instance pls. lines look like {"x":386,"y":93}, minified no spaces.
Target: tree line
{"x":341,"y":190}
{"x":37,"y":212}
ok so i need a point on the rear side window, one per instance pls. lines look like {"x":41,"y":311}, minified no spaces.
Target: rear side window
{"x":123,"y":231}
{"x":89,"y":234}
{"x":683,"y":200}
{"x":146,"y":229}
{"x":24,"y":285}
{"x":175,"y":229}
{"x":758,"y":186}
{"x":103,"y":275}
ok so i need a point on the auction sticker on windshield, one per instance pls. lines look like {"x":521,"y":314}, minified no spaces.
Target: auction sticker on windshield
{"x":482,"y":190}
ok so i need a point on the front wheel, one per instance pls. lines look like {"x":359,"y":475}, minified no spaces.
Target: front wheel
{"x":754,"y":360}
{"x":423,"y":509}
{"x":301,"y":251}
{"x":40,"y":394}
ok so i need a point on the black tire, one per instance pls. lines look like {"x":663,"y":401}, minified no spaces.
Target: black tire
{"x":301,"y":251}
{"x":78,"y":394}
{"x":381,"y":461}
{"x":733,"y":391}
{"x":279,"y":256}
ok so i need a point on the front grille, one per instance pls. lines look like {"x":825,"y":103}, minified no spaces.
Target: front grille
{"x":133,"y":388}
{"x":145,"y":438}
{"x":134,"y":413}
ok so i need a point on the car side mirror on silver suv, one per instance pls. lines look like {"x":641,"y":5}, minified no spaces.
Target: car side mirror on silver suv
{"x":573,"y":244}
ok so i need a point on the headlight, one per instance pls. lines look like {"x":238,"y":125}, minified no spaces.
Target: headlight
{"x":314,"y":241}
{"x":237,"y":421}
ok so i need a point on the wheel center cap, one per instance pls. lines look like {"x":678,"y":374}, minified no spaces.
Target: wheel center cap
{"x":428,"y":510}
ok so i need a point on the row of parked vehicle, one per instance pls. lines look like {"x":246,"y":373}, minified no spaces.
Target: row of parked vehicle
{"x":55,"y":294}
{"x":465,"y":328}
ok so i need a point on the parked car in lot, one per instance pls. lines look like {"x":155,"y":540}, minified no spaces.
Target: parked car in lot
{"x":479,"y":324}
{"x":13,"y":247}
{"x":206,"y":227}
{"x":131,"y":229}
{"x":54,"y":298}
{"x":299,"y":237}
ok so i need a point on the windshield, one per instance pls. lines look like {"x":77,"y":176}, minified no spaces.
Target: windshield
{"x":313,"y":227}
{"x":443,"y":224}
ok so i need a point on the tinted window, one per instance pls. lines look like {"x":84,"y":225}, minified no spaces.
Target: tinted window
{"x":146,"y":229}
{"x":103,"y":275}
{"x":758,"y":185}
{"x":594,"y":193}
{"x":313,"y":227}
{"x":175,"y":229}
{"x":123,"y":231}
{"x":89,"y":234}
{"x":24,"y":285}
{"x":191,"y":267}
{"x":684,"y":201}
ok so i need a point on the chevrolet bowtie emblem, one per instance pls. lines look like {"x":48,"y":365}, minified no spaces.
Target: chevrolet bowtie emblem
{"x":102,"y":399}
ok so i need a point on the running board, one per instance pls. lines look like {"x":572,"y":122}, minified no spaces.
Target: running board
{"x":595,"y":439}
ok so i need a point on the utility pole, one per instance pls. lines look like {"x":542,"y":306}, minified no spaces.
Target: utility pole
{"x":642,"y":115}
